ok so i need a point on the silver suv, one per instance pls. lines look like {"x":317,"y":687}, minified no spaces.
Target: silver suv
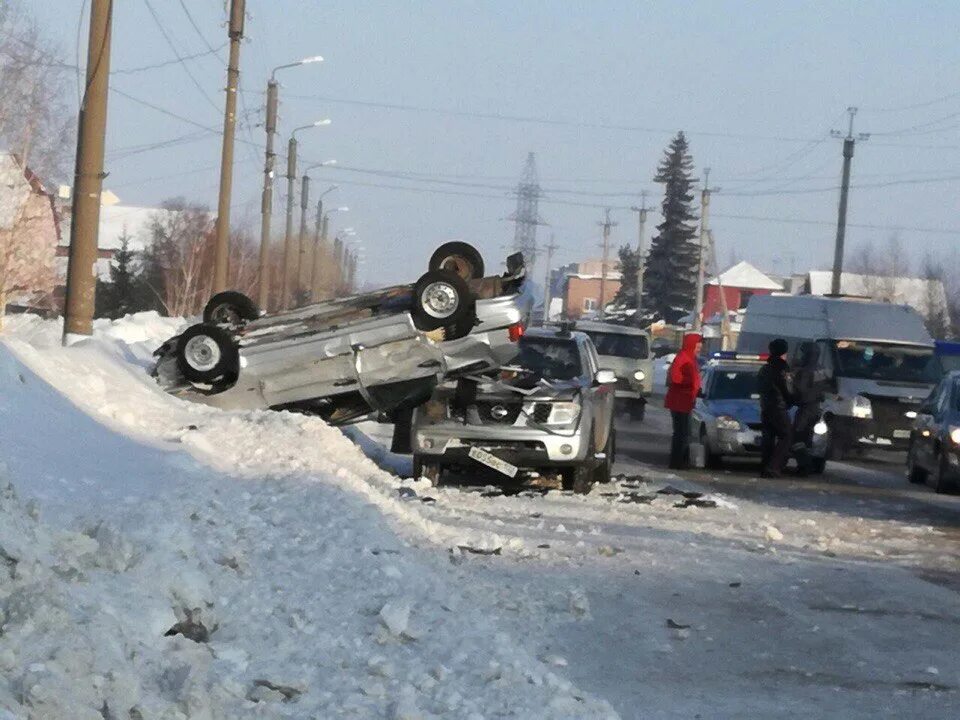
{"x":550,"y":413}
{"x":626,"y":351}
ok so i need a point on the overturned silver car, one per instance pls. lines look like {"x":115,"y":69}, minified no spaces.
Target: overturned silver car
{"x":376,"y":353}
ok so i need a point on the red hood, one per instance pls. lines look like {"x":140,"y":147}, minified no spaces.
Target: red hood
{"x":690,"y":343}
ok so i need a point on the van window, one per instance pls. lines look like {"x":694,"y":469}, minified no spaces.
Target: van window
{"x":883,"y":361}
{"x":618,"y":345}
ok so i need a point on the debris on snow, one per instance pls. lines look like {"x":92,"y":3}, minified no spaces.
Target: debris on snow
{"x":772,"y":533}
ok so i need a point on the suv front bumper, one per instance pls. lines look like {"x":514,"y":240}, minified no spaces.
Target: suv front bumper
{"x":524,"y":447}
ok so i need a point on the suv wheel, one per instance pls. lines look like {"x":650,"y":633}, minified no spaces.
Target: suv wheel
{"x":943,"y":484}
{"x":428,"y":469}
{"x":916,"y":475}
{"x":604,"y":470}
{"x":578,"y":478}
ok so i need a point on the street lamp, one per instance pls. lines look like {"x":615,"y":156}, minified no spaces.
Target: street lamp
{"x":303,"y":265}
{"x":266,"y":203}
{"x":288,"y":269}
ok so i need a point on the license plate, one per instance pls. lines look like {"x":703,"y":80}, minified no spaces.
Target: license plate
{"x":492,"y":461}
{"x":901,"y":434}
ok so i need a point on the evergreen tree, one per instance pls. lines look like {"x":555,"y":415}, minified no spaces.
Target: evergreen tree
{"x":126,"y":291}
{"x":627,"y":293}
{"x":670,"y":277}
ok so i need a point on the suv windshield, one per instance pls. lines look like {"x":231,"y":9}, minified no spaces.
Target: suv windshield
{"x":620,"y":345}
{"x":734,"y":385}
{"x":878,"y":361}
{"x":554,"y":359}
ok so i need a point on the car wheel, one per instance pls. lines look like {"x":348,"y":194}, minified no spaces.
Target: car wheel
{"x":818,"y":465}
{"x":230,"y":309}
{"x":637,"y":411}
{"x":207,"y":354}
{"x":430,"y":470}
{"x":441,"y":298}
{"x":943,"y":482}
{"x":710,"y":459}
{"x":916,"y":475}
{"x":604,"y":470}
{"x":578,"y":478}
{"x":459,"y":257}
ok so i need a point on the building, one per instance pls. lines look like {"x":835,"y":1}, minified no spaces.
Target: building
{"x":29,"y":234}
{"x":581,"y":289}
{"x":738,"y":284}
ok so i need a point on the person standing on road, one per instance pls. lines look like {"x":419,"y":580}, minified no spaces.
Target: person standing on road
{"x":773,"y":382}
{"x":807,"y":396}
{"x":683,"y":386}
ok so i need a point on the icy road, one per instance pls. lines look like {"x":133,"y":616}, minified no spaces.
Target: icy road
{"x":164,"y":560}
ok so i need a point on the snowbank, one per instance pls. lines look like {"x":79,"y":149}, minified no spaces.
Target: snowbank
{"x":167,"y":560}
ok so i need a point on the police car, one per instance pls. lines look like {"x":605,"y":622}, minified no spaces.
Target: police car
{"x":726,"y":417}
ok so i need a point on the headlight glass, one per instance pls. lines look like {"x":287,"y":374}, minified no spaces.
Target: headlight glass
{"x":564,"y":413}
{"x":820,"y":428}
{"x":725,"y":422}
{"x":639,"y":375}
{"x":862,"y":408}
{"x":955,"y":434}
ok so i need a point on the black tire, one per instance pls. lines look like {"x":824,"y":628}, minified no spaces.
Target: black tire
{"x":604,"y":470}
{"x":432,"y":470}
{"x":711,"y":460}
{"x":943,"y":484}
{"x":916,"y":475}
{"x":230,"y":308}
{"x":441,"y":298}
{"x":578,"y":478}
{"x":638,"y":409}
{"x":459,"y":257}
{"x":818,"y":465}
{"x":207,"y":354}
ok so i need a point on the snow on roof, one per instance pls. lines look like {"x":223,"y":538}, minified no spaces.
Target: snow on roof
{"x":744,"y":275}
{"x":115,"y":220}
{"x":918,"y":293}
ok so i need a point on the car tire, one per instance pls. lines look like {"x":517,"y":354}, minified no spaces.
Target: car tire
{"x":818,"y":465}
{"x":604,"y":470}
{"x":943,"y":483}
{"x":578,"y":478}
{"x":916,"y":475}
{"x":207,"y":354}
{"x":441,"y":298}
{"x":230,"y":309}
{"x":638,"y":410}
{"x":710,"y":459}
{"x":459,"y":257}
{"x":431,"y":470}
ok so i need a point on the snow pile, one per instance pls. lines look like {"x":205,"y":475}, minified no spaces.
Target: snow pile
{"x":259,"y":582}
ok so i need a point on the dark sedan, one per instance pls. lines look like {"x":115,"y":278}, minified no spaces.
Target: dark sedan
{"x":934,"y":451}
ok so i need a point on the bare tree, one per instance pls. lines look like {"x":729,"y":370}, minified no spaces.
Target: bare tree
{"x":881,"y":271}
{"x":936,"y":310}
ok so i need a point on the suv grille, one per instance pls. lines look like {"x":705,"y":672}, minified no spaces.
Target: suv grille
{"x":500,"y":413}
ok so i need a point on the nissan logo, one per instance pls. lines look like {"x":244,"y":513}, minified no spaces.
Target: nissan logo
{"x":499,"y":412}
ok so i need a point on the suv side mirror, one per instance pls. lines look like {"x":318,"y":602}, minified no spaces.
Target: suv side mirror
{"x":606,"y":377}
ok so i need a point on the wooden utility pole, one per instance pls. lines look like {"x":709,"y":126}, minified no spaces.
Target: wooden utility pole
{"x":848,"y":144}
{"x":287,"y":288}
{"x":704,"y":229}
{"x":266,"y":204}
{"x":302,"y":264}
{"x":546,"y":281}
{"x":606,"y":224}
{"x":222,"y":246}
{"x":88,"y":179}
{"x":641,"y":261}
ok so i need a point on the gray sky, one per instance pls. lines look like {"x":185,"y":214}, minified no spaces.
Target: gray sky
{"x":460,"y":91}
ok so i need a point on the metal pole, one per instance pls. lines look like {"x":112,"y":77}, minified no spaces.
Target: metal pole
{"x":222,"y":245}
{"x":848,"y":144}
{"x":641,"y":223}
{"x":317,"y":251}
{"x":288,"y":234}
{"x":704,"y":220}
{"x":338,"y":263}
{"x":546,"y":281}
{"x":266,"y":205}
{"x":606,"y":225}
{"x":302,"y":263}
{"x":88,"y":179}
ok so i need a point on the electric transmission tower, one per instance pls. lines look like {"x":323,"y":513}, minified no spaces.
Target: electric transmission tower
{"x":526,"y":218}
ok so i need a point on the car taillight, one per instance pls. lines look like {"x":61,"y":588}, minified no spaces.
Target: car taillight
{"x":516,"y":332}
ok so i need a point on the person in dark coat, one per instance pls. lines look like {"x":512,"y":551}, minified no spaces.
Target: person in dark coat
{"x":683,"y":386}
{"x":807,"y":396}
{"x":776,"y":397}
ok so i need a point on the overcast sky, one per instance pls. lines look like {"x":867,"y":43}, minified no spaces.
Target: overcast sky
{"x":596,"y":89}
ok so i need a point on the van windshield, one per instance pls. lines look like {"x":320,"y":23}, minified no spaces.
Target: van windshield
{"x":618,"y":345}
{"x":880,"y":361}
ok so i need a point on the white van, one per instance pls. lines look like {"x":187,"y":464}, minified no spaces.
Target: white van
{"x":876,"y":361}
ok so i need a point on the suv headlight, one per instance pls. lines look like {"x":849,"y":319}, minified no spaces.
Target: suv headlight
{"x":955,"y":434}
{"x":725,"y":422}
{"x":639,"y":376}
{"x":862,"y":408}
{"x":564,"y":413}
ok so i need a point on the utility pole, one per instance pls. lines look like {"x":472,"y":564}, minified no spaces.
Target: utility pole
{"x":338,"y":264}
{"x":88,"y":179}
{"x":606,"y":224}
{"x":317,"y":265}
{"x":848,"y":144}
{"x":287,"y":287}
{"x":641,"y":262}
{"x":725,"y":311}
{"x":222,"y":246}
{"x":302,"y":266}
{"x":320,"y":261}
{"x":704,"y":229}
{"x":546,"y":281}
{"x":266,"y":205}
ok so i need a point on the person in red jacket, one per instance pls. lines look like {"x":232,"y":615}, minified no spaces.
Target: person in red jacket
{"x":683,"y":386}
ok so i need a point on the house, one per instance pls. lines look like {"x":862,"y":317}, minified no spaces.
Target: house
{"x":738,"y":284}
{"x":581,"y":292}
{"x":29,"y":235}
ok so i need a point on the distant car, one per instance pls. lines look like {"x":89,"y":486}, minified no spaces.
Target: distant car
{"x":626,"y":351}
{"x":934,"y":450}
{"x":375,"y":353}
{"x":550,"y":413}
{"x":726,"y":417}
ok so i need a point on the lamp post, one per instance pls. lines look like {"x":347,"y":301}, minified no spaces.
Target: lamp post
{"x":303,"y":265}
{"x":288,"y":269}
{"x":266,"y":202}
{"x":320,"y":257}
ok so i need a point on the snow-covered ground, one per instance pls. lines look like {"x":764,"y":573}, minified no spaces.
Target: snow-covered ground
{"x":321,"y":585}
